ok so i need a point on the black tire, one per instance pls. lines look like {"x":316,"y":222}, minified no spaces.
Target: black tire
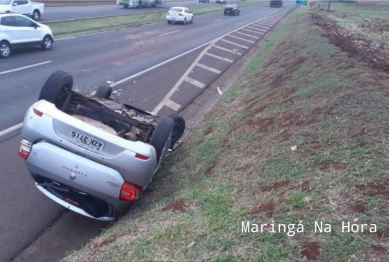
{"x":47,"y":43}
{"x":56,"y":88}
{"x":161,"y":135}
{"x":36,"y":15}
{"x":168,"y":21}
{"x":5,"y":49}
{"x":191,"y":21}
{"x":225,"y":13}
{"x":125,"y":6}
{"x":104,"y":91}
{"x":178,"y":128}
{"x":184,"y":21}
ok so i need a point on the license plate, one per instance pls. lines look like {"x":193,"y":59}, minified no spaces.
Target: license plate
{"x":86,"y":141}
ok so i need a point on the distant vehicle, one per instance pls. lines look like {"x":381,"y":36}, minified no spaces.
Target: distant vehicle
{"x":276,"y":3}
{"x":231,"y":10}
{"x":93,"y":155}
{"x":25,"y":7}
{"x":203,"y":1}
{"x":221,"y":2}
{"x":140,"y":3}
{"x":179,"y":14}
{"x":19,"y":31}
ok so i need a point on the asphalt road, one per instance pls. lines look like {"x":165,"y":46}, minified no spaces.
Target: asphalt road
{"x":81,"y":12}
{"x":93,"y":60}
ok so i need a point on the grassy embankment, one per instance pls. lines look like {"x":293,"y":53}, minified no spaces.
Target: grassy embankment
{"x":66,"y":29}
{"x":303,"y":136}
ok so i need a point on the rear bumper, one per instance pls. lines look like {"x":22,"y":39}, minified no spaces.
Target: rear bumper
{"x":76,"y":172}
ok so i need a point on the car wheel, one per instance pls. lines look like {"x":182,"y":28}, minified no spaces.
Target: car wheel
{"x":56,"y":88}
{"x":168,"y":21}
{"x":5,"y":49}
{"x":125,"y":6}
{"x":225,"y":13}
{"x":184,"y":21}
{"x":178,"y":128}
{"x":47,"y":43}
{"x":103,"y":91}
{"x":191,"y":20}
{"x":162,"y":136}
{"x":36,"y":15}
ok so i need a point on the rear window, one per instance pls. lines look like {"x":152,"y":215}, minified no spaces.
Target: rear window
{"x":233,"y":6}
{"x":176,"y":9}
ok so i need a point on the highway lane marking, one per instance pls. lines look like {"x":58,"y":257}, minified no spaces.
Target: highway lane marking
{"x":12,"y":128}
{"x":194,"y":82}
{"x":179,"y":82}
{"x":209,"y":68}
{"x":256,"y":37}
{"x":258,"y":30}
{"x":173,"y":105}
{"x":258,"y":27}
{"x":227,"y":50}
{"x":219,"y":57}
{"x":172,"y":32}
{"x":233,"y":43}
{"x":217,"y":20}
{"x":250,"y":41}
{"x":252,"y":31}
{"x":24,"y":67}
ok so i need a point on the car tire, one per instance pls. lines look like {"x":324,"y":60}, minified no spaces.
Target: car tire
{"x":56,"y":88}
{"x":36,"y":15}
{"x":168,"y":21}
{"x":47,"y":43}
{"x":161,"y":136}
{"x":178,"y":128}
{"x":103,"y":91}
{"x":184,"y":21}
{"x":5,"y":49}
{"x":191,"y":20}
{"x":125,"y":6}
{"x":225,"y":13}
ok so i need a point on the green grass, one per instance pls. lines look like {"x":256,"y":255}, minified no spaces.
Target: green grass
{"x":333,"y":114}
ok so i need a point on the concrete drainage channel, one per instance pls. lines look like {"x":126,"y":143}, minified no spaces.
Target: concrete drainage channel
{"x":229,"y":54}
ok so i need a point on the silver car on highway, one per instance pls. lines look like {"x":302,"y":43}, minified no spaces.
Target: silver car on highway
{"x":93,"y":155}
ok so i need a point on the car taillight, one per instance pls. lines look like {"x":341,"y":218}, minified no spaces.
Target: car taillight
{"x":38,"y":113}
{"x":142,"y":156}
{"x":25,"y":148}
{"x":233,"y":9}
{"x":180,"y":15}
{"x":167,"y":13}
{"x":130,"y":192}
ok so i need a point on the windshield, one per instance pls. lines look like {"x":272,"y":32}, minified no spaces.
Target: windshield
{"x":5,"y":2}
{"x":173,"y":9}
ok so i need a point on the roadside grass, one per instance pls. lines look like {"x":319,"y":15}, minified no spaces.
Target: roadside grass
{"x":72,"y":28}
{"x":303,"y":150}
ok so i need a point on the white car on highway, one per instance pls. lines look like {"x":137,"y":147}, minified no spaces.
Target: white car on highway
{"x":25,"y":7}
{"x":179,"y":14}
{"x":20,"y":31}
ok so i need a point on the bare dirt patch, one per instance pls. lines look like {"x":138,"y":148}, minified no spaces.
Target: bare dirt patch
{"x":359,"y":207}
{"x":378,"y":188}
{"x":275,"y":186}
{"x":178,"y":207}
{"x":267,"y":208}
{"x":311,"y":250}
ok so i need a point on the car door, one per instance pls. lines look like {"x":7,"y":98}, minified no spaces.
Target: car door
{"x":30,"y":32}
{"x":21,"y":6}
{"x":13,"y":32}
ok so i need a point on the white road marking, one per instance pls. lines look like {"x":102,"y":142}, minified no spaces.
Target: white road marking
{"x":250,"y":41}
{"x":228,"y":50}
{"x":217,"y":20}
{"x":9,"y":130}
{"x":219,"y":57}
{"x":208,"y":68}
{"x":173,"y":105}
{"x":256,"y":37}
{"x":259,"y":27}
{"x":220,"y":92}
{"x":24,"y":67}
{"x":179,"y":82}
{"x":259,"y":30}
{"x":194,"y":82}
{"x":170,"y":33}
{"x":233,"y":43}
{"x":252,"y":31}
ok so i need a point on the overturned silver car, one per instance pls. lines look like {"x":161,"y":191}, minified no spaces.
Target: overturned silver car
{"x":93,"y":155}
